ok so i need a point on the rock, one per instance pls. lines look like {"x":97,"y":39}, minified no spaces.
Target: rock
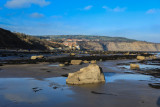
{"x":93,"y":61}
{"x":87,"y":75}
{"x":126,"y":53}
{"x":134,"y":66}
{"x":76,"y":62}
{"x":61,"y":65}
{"x":141,"y":58}
{"x":86,"y":52}
{"x":33,"y":57}
{"x":66,"y":63}
{"x":85,"y":61}
{"x":147,"y":58}
{"x":155,"y":85}
{"x":37,"y":57}
{"x":64,"y":75}
{"x":100,"y":60}
{"x":40,"y":56}
{"x":153,"y":57}
{"x":72,"y":54}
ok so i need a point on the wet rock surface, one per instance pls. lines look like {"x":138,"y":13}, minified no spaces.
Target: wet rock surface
{"x":155,"y":85}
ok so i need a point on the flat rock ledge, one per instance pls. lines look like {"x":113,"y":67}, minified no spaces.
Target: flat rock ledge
{"x":87,"y":75}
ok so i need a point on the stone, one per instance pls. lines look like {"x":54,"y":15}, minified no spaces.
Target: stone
{"x":37,"y":57}
{"x":66,"y":63}
{"x":76,"y":62}
{"x":61,"y":65}
{"x":93,"y":61}
{"x":126,"y":53}
{"x":33,"y":57}
{"x":141,"y":58}
{"x":153,"y":57}
{"x":87,"y":75}
{"x":100,"y":60}
{"x":134,"y":66}
{"x":85,"y":61}
{"x":72,"y":54}
{"x":40,"y":56}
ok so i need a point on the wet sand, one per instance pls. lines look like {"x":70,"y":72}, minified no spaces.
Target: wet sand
{"x":51,"y":89}
{"x":41,"y":70}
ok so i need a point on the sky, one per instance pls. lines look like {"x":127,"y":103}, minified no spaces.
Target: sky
{"x":134,"y":19}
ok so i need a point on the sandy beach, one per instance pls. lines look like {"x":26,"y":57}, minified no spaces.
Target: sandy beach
{"x":121,"y":88}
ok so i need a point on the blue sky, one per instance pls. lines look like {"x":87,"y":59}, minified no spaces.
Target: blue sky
{"x":136,"y":19}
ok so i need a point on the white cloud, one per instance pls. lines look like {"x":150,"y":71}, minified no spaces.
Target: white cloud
{"x":88,"y":7}
{"x":152,"y":11}
{"x":36,"y":15}
{"x":116,"y":9}
{"x":25,"y":3}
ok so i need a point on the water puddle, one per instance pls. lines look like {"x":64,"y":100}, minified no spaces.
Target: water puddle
{"x":113,"y":77}
{"x":142,"y":66}
{"x":29,"y":92}
{"x":52,"y":65}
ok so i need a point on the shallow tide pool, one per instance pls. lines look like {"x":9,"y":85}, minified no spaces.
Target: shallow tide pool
{"x":28,"y":92}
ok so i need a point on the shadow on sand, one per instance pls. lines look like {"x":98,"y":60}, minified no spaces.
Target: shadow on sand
{"x":158,"y":102}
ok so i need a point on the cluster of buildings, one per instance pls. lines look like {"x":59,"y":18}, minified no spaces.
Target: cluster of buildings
{"x":71,"y":43}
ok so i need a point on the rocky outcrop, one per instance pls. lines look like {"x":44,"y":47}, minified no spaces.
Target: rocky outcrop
{"x":91,"y":74}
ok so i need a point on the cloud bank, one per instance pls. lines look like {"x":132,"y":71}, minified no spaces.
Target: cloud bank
{"x":152,"y":11}
{"x":116,"y":9}
{"x":88,"y":7}
{"x":36,"y":15}
{"x":25,"y":3}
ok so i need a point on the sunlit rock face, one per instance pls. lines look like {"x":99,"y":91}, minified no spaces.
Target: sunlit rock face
{"x":133,"y":46}
{"x":120,"y":46}
{"x":87,"y":75}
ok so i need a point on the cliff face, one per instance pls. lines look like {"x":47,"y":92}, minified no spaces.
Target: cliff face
{"x":134,"y":46}
{"x":120,"y":46}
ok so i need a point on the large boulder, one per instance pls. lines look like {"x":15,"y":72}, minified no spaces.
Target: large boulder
{"x":141,"y":58}
{"x":134,"y":66}
{"x":76,"y":62}
{"x":87,"y":75}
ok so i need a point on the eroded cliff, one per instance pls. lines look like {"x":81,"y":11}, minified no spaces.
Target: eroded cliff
{"x":120,"y":46}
